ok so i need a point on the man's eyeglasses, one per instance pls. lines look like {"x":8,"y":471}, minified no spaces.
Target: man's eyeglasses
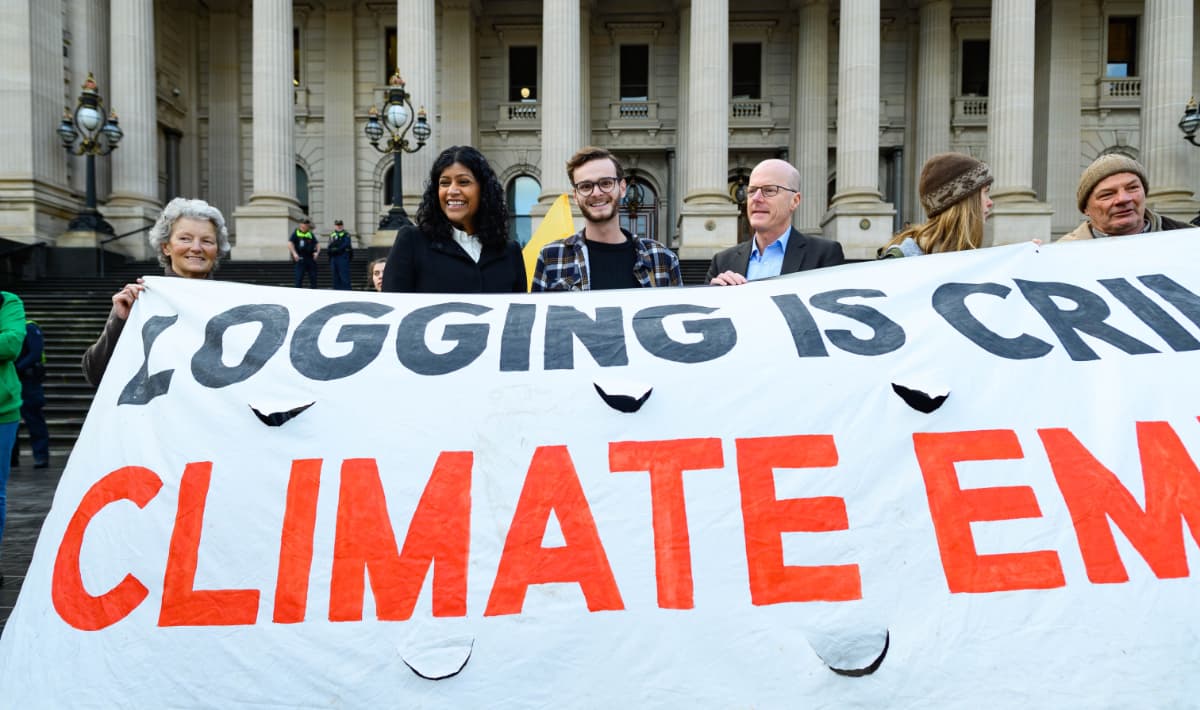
{"x":768,"y":191}
{"x":606,"y":186}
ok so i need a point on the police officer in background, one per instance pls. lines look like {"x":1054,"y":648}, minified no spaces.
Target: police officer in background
{"x":304,"y":246}
{"x":340,"y":250}
{"x":31,"y":369}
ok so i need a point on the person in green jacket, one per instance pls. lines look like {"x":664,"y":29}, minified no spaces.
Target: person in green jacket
{"x":12,"y":334}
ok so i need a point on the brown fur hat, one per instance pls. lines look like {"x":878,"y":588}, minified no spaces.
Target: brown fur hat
{"x":950,"y":177}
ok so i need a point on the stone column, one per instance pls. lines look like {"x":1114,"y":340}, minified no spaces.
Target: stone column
{"x":709,"y":218}
{"x":1017,"y":215}
{"x":858,"y":218}
{"x":263,"y":225}
{"x":135,"y":200}
{"x":561,"y":97}
{"x":88,"y":25}
{"x":933,"y":88}
{"x":681,"y":131}
{"x":458,"y":123}
{"x":35,"y":202}
{"x":1166,"y":86}
{"x":340,"y":135}
{"x":810,"y":144}
{"x":224,"y":114}
{"x":1057,"y":134}
{"x":415,"y":54}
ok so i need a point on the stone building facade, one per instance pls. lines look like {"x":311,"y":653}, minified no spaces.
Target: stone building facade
{"x":259,"y":107}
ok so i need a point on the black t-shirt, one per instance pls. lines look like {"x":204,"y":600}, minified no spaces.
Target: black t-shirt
{"x":611,"y":265}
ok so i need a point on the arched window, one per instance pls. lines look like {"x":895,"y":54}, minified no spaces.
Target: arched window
{"x":302,"y":188}
{"x":522,"y":195}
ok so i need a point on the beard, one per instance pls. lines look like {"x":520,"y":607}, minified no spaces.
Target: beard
{"x":600,"y":214}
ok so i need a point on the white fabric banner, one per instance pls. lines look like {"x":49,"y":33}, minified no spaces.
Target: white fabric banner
{"x":965,"y":480}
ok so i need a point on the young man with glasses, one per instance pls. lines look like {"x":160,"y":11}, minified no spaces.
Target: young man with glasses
{"x":777,"y":248}
{"x":602,"y":255}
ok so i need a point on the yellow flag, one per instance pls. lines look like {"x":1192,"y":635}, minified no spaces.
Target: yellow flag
{"x":556,"y":225}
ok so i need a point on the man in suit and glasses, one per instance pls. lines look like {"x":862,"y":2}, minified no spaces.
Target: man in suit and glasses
{"x":776,"y":248}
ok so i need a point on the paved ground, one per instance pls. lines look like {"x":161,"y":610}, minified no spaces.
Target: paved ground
{"x":30,"y":491}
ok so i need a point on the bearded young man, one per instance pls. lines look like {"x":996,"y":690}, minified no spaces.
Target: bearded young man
{"x":602,"y":255}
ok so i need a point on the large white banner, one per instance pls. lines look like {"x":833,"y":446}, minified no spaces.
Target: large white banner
{"x":965,"y":480}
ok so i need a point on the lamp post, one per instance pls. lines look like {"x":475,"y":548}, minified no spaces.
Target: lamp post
{"x":397,"y":118}
{"x":100,"y":136}
{"x":1190,"y":122}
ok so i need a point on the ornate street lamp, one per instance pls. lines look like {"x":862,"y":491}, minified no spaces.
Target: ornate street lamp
{"x":397,"y":119}
{"x":1190,"y":122}
{"x":99,"y":137}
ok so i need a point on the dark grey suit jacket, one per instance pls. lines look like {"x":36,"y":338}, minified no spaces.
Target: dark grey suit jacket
{"x":803,"y":253}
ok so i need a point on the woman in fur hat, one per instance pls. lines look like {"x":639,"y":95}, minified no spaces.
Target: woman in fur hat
{"x":954,"y":193}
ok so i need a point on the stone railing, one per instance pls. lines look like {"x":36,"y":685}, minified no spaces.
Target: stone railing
{"x":518,"y":116}
{"x":970,"y":111}
{"x":750,"y":114}
{"x":1119,"y":92}
{"x":633,"y":111}
{"x":633,"y":116}
{"x":749,"y":110}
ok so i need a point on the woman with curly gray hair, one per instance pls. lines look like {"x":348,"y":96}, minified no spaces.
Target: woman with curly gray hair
{"x":189,"y":237}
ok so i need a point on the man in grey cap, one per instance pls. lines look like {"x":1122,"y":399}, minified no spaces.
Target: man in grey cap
{"x":1112,"y":194}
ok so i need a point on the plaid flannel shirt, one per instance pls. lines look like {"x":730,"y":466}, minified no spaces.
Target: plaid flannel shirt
{"x":563,"y":265}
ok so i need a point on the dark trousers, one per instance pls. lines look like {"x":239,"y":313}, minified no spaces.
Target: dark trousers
{"x":339,"y":268}
{"x":306,"y":264}
{"x":33,"y":402}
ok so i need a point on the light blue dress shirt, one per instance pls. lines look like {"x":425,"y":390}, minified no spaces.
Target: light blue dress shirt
{"x":768,"y":263}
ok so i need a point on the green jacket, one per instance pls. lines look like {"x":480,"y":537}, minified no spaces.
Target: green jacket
{"x":12,"y":334}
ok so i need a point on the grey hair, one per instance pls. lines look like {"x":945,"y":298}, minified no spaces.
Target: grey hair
{"x":196,"y":209}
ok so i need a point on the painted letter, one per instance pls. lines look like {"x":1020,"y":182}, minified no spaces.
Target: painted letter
{"x":72,"y":601}
{"x":666,"y":461}
{"x":954,"y":509}
{"x":766,"y":518}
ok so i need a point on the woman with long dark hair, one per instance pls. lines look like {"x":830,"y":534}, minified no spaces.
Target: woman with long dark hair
{"x":460,"y":242}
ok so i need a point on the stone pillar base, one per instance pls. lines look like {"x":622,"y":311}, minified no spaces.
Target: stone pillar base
{"x":1183,"y":210}
{"x":128,"y":215}
{"x":80,"y":239}
{"x":263,"y":228}
{"x":1016,"y":222}
{"x":381,"y":238}
{"x":860,"y":227}
{"x":705,"y":229}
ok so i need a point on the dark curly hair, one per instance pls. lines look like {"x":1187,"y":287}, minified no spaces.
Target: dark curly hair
{"x":491,"y":219}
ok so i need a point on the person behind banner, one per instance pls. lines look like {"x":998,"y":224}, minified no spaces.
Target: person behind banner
{"x":602,"y":255}
{"x":341,"y":251}
{"x":31,"y":370}
{"x":189,"y":238}
{"x":304,"y":248}
{"x":776,"y":247}
{"x":460,"y":242}
{"x":12,"y":335}
{"x":1112,"y":195}
{"x":375,"y":274}
{"x":954,"y":192}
